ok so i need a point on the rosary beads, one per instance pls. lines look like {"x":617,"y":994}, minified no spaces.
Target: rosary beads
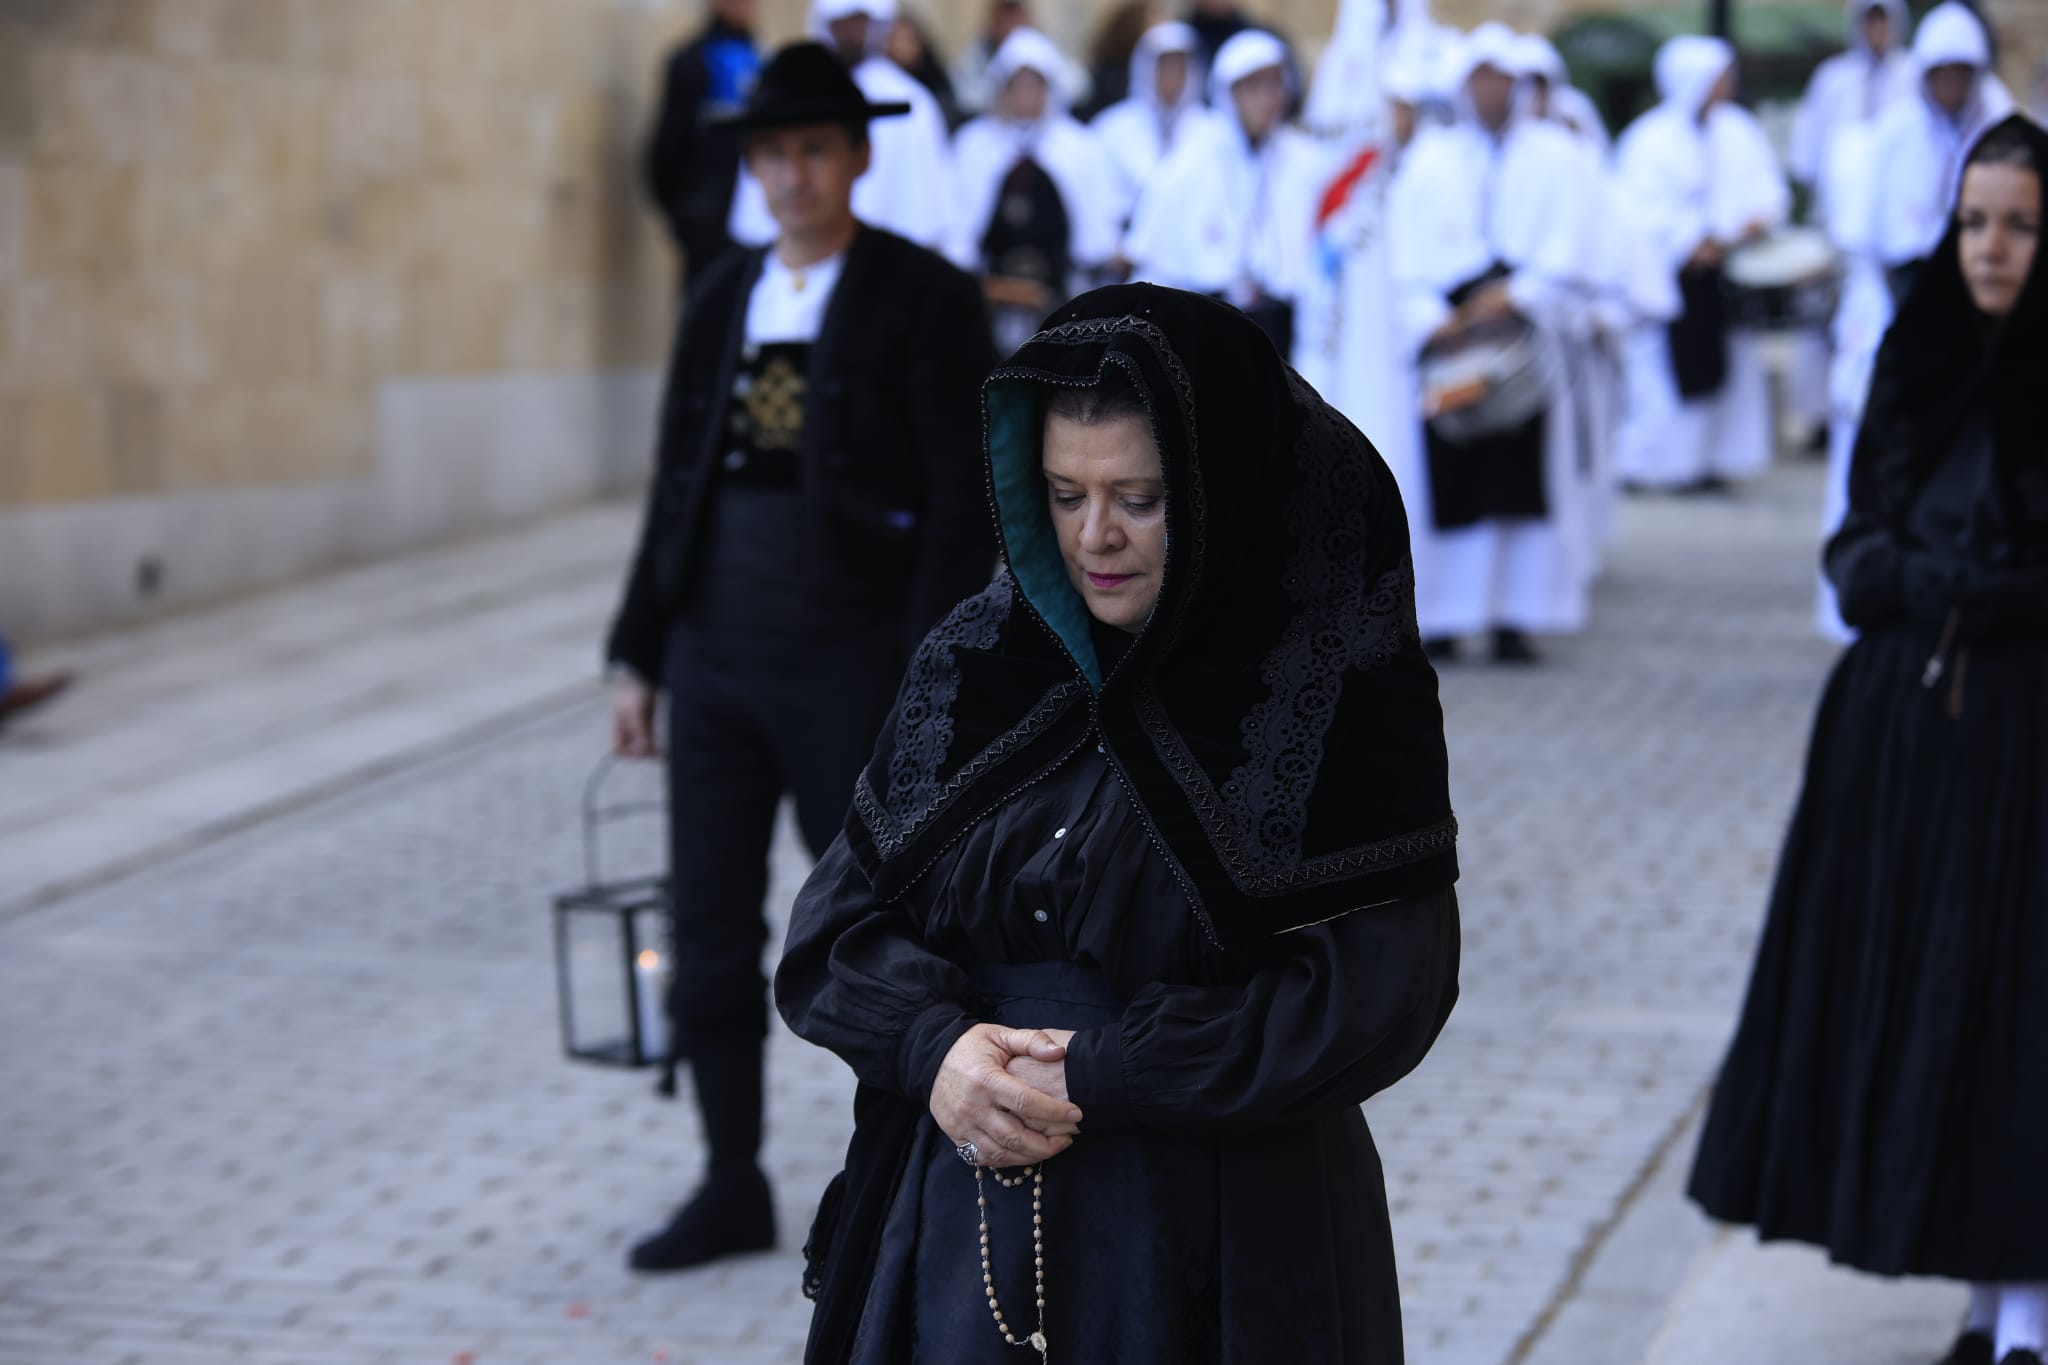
{"x":988,"y":1275}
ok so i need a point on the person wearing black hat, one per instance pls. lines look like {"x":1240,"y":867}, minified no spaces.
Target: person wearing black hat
{"x":817,"y":507}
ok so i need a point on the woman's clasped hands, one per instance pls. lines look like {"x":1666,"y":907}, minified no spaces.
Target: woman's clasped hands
{"x":1005,"y":1091}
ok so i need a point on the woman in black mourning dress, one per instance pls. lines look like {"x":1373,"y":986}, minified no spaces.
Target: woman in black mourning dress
{"x":1148,"y":885}
{"x":1886,"y":1095}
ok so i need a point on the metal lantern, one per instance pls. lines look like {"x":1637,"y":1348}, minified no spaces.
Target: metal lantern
{"x":612,"y":950}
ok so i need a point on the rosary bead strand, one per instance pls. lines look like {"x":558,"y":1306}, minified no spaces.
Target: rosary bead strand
{"x":988,"y":1275}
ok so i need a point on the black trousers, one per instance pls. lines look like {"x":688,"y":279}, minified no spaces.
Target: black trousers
{"x":754,"y":714}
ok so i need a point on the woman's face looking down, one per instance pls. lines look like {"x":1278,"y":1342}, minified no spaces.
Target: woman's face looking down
{"x":2000,"y":212}
{"x":1107,"y":500}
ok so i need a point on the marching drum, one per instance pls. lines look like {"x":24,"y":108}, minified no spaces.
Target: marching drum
{"x":1492,"y":378}
{"x":1788,"y":281}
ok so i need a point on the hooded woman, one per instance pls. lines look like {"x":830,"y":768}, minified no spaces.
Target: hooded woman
{"x":1231,"y":211}
{"x":1886,"y":1095}
{"x":1885,"y":188}
{"x":1139,"y":132}
{"x":1703,"y":175}
{"x":1117,"y":938}
{"x":1034,"y":211}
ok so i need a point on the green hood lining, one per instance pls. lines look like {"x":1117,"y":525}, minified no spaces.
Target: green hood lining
{"x":1016,"y":453}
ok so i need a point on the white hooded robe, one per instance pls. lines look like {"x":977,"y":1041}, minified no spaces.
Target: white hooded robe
{"x":987,"y":148}
{"x":1138,"y":133}
{"x":1223,"y":217}
{"x":1462,"y":200}
{"x":1693,"y":180}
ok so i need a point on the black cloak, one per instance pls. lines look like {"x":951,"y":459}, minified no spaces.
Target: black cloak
{"x":1886,"y":1093}
{"x":1157,"y":841}
{"x":1276,"y":721}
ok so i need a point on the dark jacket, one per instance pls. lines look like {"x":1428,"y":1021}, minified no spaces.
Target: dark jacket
{"x":693,"y":162}
{"x":891,"y":464}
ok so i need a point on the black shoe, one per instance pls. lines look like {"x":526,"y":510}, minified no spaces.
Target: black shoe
{"x":1442,"y":649}
{"x":728,"y":1216}
{"x":1706,"y":486}
{"x":2020,"y":1357}
{"x":30,"y":693}
{"x":1971,"y":1348}
{"x":1513,"y":647}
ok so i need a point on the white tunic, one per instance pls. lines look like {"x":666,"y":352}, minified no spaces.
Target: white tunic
{"x":1692,"y":181}
{"x":1849,"y":90}
{"x":1461,"y":201}
{"x":989,"y":147}
{"x":1139,"y":132}
{"x":1225,"y":218}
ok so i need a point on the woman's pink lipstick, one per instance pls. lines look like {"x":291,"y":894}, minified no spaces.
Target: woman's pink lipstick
{"x":1110,"y":580}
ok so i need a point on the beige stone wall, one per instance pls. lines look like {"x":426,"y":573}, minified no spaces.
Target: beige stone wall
{"x":231,"y":231}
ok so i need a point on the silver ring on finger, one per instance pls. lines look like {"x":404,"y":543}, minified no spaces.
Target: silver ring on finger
{"x":968,"y":1153}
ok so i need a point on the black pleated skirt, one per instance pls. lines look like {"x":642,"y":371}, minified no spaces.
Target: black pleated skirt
{"x":1886,"y":1094}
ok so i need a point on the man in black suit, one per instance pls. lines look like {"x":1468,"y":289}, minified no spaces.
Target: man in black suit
{"x":693,"y":158}
{"x":818,"y":506}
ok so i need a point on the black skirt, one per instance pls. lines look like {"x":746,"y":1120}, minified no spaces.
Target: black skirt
{"x":1886,"y":1095}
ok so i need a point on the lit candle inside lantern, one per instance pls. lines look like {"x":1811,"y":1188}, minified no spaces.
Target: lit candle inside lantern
{"x":650,"y":997}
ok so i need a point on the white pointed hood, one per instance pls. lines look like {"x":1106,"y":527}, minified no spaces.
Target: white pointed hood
{"x":1687,"y":69}
{"x":1252,"y":50}
{"x":1158,"y":41}
{"x":1951,"y":35}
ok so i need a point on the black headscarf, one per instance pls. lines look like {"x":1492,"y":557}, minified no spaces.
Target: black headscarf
{"x":1943,"y":366}
{"x":1276,"y":720}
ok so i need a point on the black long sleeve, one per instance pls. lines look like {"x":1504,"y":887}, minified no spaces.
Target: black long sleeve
{"x":1351,"y":1008}
{"x":672,"y":154}
{"x":1879,"y":579}
{"x":856,"y":979}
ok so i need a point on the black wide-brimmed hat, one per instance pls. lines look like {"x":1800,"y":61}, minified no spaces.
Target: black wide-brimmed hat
{"x":805,"y":83}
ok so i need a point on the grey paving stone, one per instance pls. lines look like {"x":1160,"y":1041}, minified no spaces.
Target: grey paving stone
{"x":298,"y":1095}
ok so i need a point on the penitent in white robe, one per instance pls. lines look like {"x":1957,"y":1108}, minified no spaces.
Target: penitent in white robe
{"x":1225,"y":218}
{"x":1692,"y":181}
{"x":988,"y":148}
{"x":1461,"y":201}
{"x":1139,"y":132}
{"x":1850,"y":90}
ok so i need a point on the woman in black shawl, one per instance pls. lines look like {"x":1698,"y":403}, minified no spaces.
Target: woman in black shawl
{"x":1886,"y":1095}
{"x":1158,"y":834}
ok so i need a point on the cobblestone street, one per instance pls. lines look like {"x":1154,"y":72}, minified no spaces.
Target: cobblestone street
{"x":296,"y":1095}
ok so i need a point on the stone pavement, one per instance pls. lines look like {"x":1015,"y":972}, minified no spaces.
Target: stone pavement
{"x":193,"y":725}
{"x":281,"y":1081}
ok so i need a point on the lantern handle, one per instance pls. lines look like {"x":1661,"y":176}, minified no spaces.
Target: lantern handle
{"x":596,"y":816}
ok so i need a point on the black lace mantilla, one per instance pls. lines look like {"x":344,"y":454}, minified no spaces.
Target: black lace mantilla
{"x":1276,"y":722}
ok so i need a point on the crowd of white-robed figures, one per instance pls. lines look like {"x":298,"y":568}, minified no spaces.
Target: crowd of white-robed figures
{"x":1393,"y":191}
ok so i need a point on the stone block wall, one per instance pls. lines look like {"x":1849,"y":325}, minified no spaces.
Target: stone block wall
{"x":284,"y":282}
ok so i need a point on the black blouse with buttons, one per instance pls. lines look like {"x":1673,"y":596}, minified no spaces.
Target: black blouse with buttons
{"x":1233,"y":1078}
